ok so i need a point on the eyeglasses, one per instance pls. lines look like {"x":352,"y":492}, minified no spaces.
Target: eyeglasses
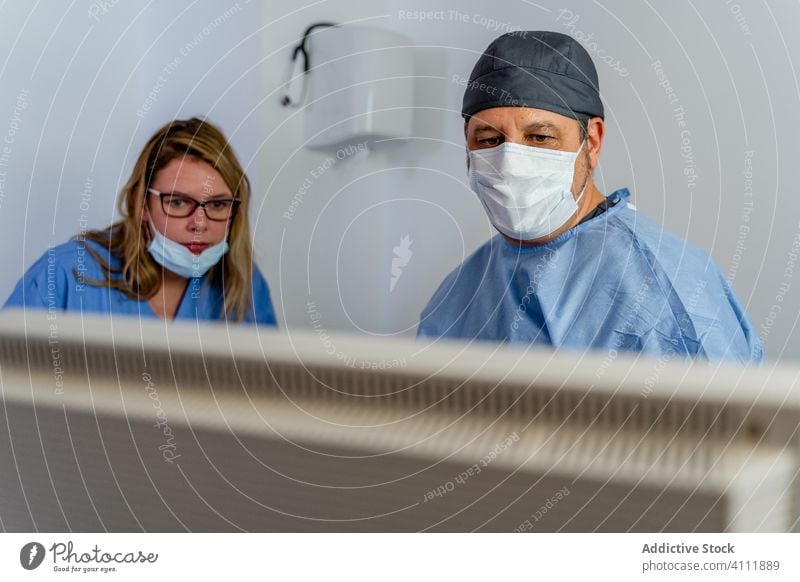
{"x":176,"y":205}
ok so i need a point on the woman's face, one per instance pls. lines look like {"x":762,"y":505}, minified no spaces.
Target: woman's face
{"x":189,"y":178}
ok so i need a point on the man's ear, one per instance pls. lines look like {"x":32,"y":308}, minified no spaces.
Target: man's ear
{"x":596,"y":132}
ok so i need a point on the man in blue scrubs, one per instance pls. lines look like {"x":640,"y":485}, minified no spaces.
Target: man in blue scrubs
{"x":571,"y":268}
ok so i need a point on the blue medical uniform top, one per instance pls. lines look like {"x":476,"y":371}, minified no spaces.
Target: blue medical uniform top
{"x":57,"y":281}
{"x":616,"y":282}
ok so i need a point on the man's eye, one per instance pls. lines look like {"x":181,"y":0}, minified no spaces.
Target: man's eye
{"x":540,"y":138}
{"x":489,"y":141}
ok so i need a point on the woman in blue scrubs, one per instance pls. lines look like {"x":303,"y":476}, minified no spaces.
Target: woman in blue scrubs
{"x":181,"y":250}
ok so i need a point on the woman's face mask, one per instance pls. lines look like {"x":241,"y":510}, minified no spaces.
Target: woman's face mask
{"x":526,"y":191}
{"x":180,"y":260}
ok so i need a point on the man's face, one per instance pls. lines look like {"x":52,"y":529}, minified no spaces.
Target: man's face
{"x":536,"y":128}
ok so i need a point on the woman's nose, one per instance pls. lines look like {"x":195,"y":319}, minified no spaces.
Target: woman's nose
{"x":199,"y":218}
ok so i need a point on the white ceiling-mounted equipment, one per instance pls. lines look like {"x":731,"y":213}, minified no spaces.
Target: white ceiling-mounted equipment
{"x":358,"y":85}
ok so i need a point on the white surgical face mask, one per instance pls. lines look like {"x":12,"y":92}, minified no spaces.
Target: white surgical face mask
{"x":180,"y":260}
{"x":526,"y":191}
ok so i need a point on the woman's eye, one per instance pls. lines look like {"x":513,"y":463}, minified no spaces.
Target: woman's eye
{"x":177,"y":202}
{"x":220,"y":204}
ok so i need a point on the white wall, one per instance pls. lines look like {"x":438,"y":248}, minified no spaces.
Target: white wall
{"x":730,"y":65}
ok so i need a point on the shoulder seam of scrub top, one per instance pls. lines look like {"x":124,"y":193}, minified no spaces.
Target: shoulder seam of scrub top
{"x":674,"y":316}
{"x":635,"y":240}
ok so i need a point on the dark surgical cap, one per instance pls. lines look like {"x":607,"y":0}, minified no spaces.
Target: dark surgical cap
{"x":539,"y":69}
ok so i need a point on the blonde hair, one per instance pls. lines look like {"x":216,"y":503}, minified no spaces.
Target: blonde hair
{"x":139,"y":276}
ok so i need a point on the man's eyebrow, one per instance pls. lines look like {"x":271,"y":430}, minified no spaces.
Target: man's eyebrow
{"x":533,"y":126}
{"x":541,"y":126}
{"x":486,"y":127}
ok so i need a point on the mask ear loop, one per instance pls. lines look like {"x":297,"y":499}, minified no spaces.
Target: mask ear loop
{"x":586,"y":181}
